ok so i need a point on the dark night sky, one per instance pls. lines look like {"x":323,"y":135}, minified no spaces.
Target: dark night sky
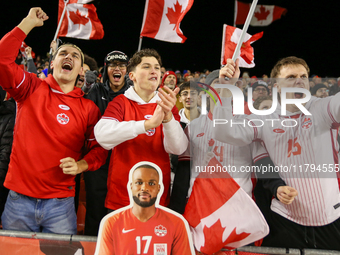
{"x":309,"y":30}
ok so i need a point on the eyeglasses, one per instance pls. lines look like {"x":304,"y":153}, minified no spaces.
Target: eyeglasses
{"x":121,"y":66}
{"x":260,"y":89}
{"x":192,"y":93}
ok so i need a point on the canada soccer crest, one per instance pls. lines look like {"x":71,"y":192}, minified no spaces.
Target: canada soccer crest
{"x":62,"y":118}
{"x":151,"y":131}
{"x":307,"y":123}
{"x":160,"y":230}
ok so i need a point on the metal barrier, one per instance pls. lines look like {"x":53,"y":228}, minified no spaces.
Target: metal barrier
{"x":319,"y":252}
{"x":47,"y":236}
{"x":23,"y":243}
{"x":267,"y":250}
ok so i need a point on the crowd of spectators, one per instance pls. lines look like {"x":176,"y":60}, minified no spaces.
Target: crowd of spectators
{"x":146,"y":111}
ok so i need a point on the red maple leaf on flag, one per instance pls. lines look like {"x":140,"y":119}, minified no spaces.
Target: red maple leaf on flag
{"x":215,"y":233}
{"x":173,"y":15}
{"x":212,"y":235}
{"x":77,"y":18}
{"x":263,"y":14}
{"x":233,"y":237}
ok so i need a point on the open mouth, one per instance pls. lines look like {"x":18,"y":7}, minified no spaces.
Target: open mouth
{"x":67,"y":66}
{"x":117,"y":76}
{"x":81,"y":80}
{"x":298,"y":95}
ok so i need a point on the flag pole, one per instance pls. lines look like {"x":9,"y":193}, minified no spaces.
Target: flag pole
{"x":235,"y":13}
{"x":60,"y":21}
{"x":244,"y":30}
{"x":140,"y":43}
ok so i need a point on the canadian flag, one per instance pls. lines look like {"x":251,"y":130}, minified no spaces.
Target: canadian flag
{"x":22,"y":50}
{"x":221,"y":214}
{"x":231,"y":36}
{"x":80,"y":20}
{"x":263,"y":15}
{"x":162,"y":19}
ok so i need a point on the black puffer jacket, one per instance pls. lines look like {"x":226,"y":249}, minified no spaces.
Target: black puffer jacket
{"x":7,"y":120}
{"x":101,"y":93}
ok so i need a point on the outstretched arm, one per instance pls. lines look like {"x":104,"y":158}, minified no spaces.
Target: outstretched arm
{"x":13,"y":79}
{"x":223,"y":128}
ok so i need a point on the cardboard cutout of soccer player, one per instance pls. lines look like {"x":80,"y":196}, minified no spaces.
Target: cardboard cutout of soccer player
{"x":144,"y":227}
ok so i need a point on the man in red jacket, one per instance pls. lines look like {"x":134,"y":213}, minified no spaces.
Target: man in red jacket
{"x":141,"y":124}
{"x":53,"y":124}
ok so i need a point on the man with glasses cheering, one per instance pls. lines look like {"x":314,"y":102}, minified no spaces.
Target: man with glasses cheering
{"x":114,"y":84}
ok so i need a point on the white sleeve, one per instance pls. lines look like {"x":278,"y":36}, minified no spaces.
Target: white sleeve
{"x":334,"y":108}
{"x":229,"y":129}
{"x":109,"y":132}
{"x":175,"y":141}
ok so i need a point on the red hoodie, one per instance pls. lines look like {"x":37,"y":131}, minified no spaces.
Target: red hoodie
{"x":50,"y":125}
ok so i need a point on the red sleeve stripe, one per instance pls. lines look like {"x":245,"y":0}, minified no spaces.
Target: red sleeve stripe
{"x":109,"y":118}
{"x":184,"y":158}
{"x":255,"y":130}
{"x":330,"y":114}
{"x":261,"y":156}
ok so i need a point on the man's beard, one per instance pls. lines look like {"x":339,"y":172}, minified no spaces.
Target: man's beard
{"x":144,"y":204}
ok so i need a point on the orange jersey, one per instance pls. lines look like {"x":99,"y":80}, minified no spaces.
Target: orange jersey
{"x":163,"y":234}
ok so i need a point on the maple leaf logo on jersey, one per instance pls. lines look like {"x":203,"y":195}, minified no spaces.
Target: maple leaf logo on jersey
{"x":62,"y":118}
{"x":77,"y":18}
{"x":173,"y":15}
{"x":150,"y":132}
{"x":307,"y":123}
{"x":263,"y":14}
{"x":160,"y":230}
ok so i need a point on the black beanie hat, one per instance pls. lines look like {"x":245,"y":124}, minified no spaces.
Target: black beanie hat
{"x":112,"y":56}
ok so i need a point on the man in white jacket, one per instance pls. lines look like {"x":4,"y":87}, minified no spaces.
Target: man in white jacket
{"x":303,"y":147}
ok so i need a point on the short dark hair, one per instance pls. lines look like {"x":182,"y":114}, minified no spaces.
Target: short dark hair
{"x":285,"y":62}
{"x":188,"y":85}
{"x":137,"y":58}
{"x":146,"y":166}
{"x":91,"y":62}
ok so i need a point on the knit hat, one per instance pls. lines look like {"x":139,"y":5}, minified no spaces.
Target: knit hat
{"x":112,"y":56}
{"x":260,"y":83}
{"x":166,"y":74}
{"x":317,"y":87}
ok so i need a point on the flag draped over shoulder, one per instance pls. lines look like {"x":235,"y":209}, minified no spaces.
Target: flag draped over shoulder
{"x":231,"y":36}
{"x":162,"y":19}
{"x":80,"y":20}
{"x":264,"y":15}
{"x":221,"y":214}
